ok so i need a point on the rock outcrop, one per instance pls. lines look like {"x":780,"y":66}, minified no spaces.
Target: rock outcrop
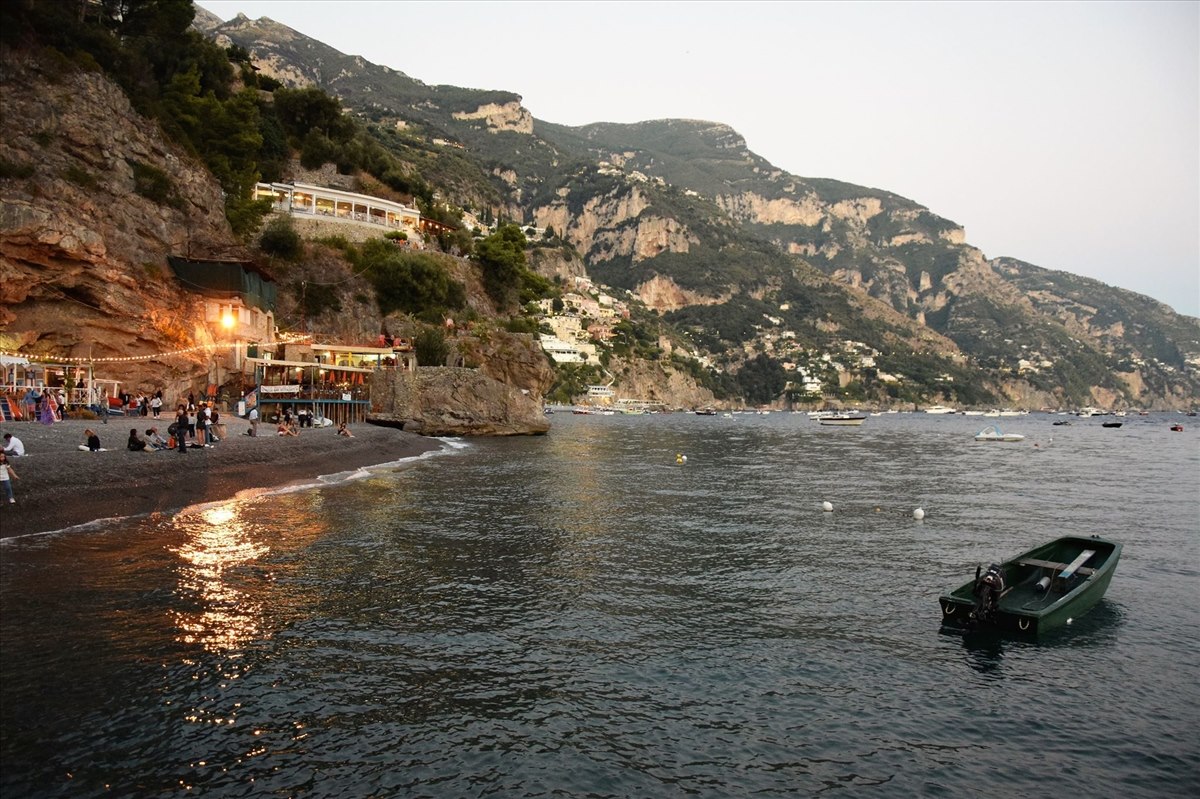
{"x":448,"y":401}
{"x":509,"y":116}
{"x":514,"y":359}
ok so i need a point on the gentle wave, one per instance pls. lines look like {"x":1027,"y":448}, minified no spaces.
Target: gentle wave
{"x":579,"y":614}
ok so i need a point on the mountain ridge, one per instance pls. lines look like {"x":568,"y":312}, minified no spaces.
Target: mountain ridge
{"x":756,"y":285}
{"x":685,"y":202}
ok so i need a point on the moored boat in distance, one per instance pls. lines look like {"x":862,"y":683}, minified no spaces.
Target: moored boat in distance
{"x":843,"y":419}
{"x":940,"y":409}
{"x":1036,"y":591}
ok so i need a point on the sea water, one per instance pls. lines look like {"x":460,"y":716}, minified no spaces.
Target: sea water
{"x":587,"y":613}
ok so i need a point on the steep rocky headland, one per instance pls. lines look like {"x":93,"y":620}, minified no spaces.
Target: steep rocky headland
{"x":93,"y":200}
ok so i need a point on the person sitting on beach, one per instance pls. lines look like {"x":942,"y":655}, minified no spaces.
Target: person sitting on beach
{"x":344,"y":431}
{"x":93,"y":442}
{"x":135,"y":443}
{"x":13,"y":447}
{"x":154,"y":440}
{"x":285,"y":429}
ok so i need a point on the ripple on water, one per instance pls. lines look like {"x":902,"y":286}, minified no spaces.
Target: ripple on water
{"x":581,"y":615}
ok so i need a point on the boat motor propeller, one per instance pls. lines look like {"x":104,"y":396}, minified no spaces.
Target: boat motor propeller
{"x":988,"y":589}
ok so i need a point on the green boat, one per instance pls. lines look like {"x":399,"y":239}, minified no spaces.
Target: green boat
{"x":1037,"y":591}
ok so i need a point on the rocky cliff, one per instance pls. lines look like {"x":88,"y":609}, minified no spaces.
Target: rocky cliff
{"x":93,"y":199}
{"x":447,"y":401}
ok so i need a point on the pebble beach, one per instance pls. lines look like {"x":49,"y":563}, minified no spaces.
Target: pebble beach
{"x":59,"y":486}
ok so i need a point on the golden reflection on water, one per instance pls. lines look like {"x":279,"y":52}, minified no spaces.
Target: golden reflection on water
{"x":220,"y":539}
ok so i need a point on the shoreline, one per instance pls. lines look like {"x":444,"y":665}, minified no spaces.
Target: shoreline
{"x":60,"y":487}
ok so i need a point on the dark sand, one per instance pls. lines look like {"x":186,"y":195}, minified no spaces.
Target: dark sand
{"x":58,"y":486}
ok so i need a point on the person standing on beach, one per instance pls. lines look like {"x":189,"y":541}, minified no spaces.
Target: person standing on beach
{"x":156,"y":404}
{"x":215,"y":430}
{"x":253,"y":422}
{"x":181,"y":427}
{"x":7,"y":473}
{"x":202,"y":426}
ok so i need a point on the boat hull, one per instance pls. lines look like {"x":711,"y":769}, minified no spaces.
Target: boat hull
{"x":1025,"y":610}
{"x":842,"y":421}
{"x":994,"y":433}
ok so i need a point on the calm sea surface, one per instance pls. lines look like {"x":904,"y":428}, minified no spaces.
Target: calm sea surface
{"x":579,"y":615}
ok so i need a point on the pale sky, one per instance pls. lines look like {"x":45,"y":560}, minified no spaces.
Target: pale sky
{"x":1064,"y":134}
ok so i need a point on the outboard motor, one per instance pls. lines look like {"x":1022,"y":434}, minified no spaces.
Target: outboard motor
{"x":988,"y":589}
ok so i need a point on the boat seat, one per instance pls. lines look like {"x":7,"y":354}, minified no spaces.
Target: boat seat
{"x":1065,"y":569}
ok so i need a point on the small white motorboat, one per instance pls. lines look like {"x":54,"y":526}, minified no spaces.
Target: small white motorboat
{"x":993,"y":433}
{"x":843,"y":419}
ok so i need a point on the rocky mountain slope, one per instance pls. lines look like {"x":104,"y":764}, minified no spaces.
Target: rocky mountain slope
{"x":715,"y":240}
{"x":92,"y":201}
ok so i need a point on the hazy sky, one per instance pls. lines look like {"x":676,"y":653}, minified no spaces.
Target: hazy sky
{"x":1065,"y":134}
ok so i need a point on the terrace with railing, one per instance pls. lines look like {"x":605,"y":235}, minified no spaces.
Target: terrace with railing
{"x":305,"y":199}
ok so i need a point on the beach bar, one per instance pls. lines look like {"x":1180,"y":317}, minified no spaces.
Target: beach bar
{"x":330,"y":380}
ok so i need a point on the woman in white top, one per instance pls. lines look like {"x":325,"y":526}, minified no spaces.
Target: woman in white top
{"x":7,"y":473}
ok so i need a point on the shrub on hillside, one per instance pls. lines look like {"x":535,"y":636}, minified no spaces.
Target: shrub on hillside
{"x":431,"y":347}
{"x":281,"y":240}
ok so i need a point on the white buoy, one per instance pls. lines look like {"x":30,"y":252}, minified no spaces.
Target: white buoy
{"x":919,"y":514}
{"x":827,"y":507}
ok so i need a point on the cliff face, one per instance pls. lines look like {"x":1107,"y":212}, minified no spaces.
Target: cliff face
{"x":511,"y":358}
{"x":445,"y":401}
{"x":83,"y":254}
{"x":511,"y":116}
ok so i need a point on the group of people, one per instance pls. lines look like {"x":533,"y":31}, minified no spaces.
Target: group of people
{"x":143,"y":405}
{"x":46,"y":405}
{"x":152,"y":442}
{"x":195,"y":426}
{"x":289,"y":424}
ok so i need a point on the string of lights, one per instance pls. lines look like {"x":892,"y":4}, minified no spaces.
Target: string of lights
{"x":285,"y":338}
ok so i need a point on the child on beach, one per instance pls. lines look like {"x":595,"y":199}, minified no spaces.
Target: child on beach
{"x":344,"y":431}
{"x":6,"y":474}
